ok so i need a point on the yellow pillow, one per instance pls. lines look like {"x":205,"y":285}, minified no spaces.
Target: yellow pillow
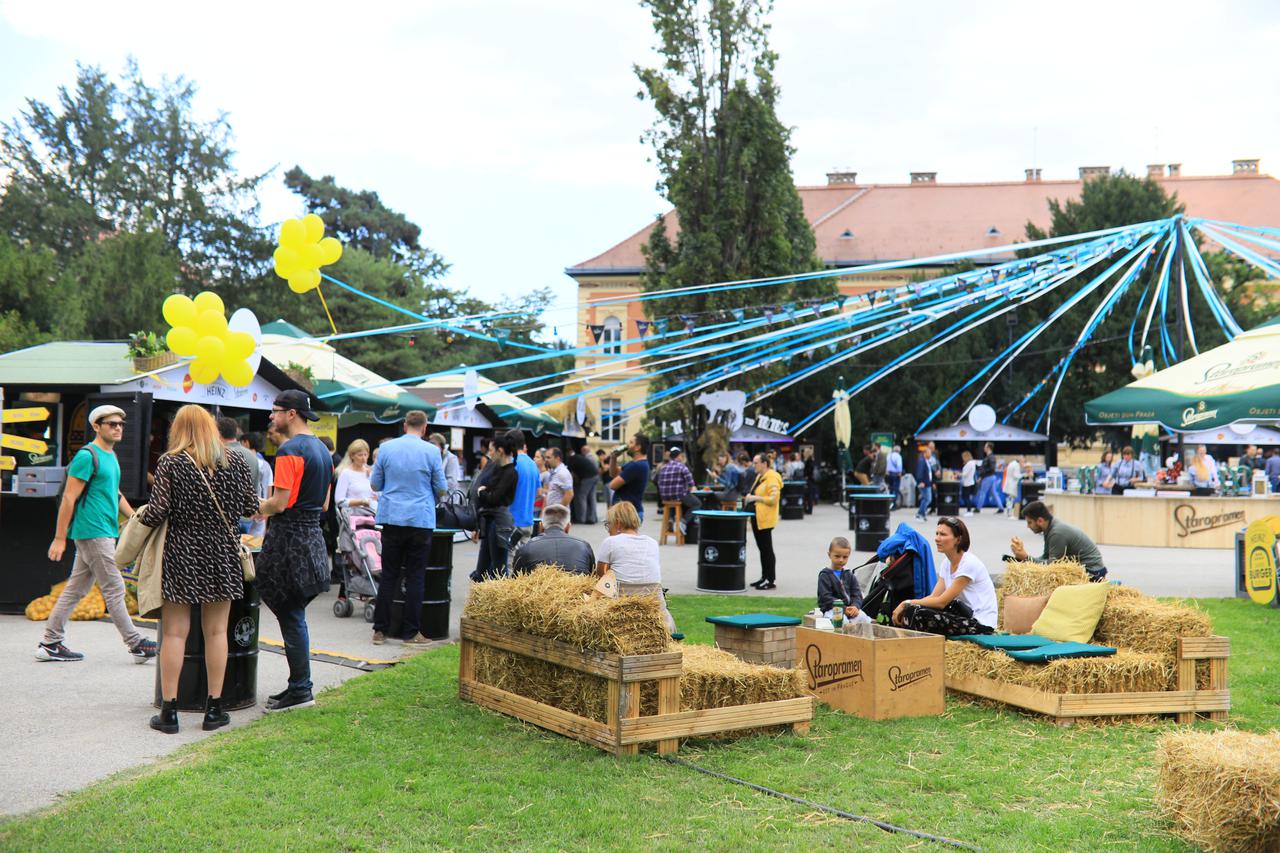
{"x":1072,"y":613}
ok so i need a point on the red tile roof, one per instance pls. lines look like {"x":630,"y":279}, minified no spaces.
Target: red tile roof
{"x":888,"y":222}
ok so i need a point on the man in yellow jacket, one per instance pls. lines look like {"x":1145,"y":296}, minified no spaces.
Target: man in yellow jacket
{"x":764,"y":499}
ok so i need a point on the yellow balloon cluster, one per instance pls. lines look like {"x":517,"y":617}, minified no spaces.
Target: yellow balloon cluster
{"x":303,"y":250}
{"x":200,"y":330}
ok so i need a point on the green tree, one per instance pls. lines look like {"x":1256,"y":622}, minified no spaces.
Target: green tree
{"x":724,"y":160}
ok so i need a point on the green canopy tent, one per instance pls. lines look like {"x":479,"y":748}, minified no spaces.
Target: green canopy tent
{"x":1238,"y":382}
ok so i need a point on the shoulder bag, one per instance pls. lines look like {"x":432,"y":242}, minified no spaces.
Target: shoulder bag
{"x":246,"y":556}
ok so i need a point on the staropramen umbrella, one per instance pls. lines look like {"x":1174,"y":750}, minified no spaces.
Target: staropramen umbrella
{"x":1236,"y":382}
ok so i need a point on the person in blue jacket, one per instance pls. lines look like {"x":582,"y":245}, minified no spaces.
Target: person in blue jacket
{"x":924,"y":483}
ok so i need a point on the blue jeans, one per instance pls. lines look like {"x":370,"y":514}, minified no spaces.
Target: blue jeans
{"x":926,"y":498}
{"x":990,"y":484}
{"x":894,"y":481}
{"x":297,"y":644}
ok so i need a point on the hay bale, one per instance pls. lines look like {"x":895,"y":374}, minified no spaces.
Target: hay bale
{"x":548,"y":603}
{"x":713,"y":678}
{"x":1124,"y":672}
{"x":1222,"y":789}
{"x":1143,"y":624}
{"x":1028,"y":578}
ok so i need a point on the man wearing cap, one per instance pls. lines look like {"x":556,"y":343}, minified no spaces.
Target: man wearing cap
{"x":293,"y":566}
{"x":89,"y":516}
{"x":675,"y":482}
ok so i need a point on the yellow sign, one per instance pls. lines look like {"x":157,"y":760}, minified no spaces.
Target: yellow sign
{"x":8,"y":463}
{"x":327,"y":426}
{"x":1260,"y":562}
{"x":23,"y":416}
{"x":17,"y":442}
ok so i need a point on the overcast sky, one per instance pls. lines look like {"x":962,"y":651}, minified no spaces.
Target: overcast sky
{"x":510,"y":130}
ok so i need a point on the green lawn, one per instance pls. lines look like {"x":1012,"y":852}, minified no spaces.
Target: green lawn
{"x":392,"y":760}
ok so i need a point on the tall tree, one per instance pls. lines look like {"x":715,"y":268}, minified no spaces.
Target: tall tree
{"x":724,"y":160}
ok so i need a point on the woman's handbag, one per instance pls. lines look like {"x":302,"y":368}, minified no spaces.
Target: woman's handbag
{"x":246,"y":556}
{"x":456,"y":513}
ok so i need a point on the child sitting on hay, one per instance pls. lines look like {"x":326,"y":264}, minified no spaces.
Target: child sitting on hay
{"x":633,"y":557}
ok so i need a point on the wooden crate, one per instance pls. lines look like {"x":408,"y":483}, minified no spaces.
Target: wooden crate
{"x":1185,"y":701}
{"x":875,"y":671}
{"x":770,"y":646}
{"x":625,"y":729}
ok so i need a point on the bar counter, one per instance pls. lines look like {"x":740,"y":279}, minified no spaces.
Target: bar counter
{"x":1162,"y":521}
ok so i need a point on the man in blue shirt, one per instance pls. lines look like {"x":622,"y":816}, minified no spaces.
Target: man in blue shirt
{"x":409,"y":478}
{"x":1272,"y":469}
{"x":893,"y":474}
{"x":528,"y":481}
{"x":630,"y":480}
{"x":924,"y":483}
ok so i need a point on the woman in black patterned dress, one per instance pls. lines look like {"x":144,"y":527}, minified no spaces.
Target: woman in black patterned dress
{"x":201,"y":563}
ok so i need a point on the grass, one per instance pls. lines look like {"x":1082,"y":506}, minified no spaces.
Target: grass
{"x":392,"y":760}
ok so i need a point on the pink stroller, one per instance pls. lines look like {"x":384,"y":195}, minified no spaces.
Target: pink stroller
{"x":360,"y":552}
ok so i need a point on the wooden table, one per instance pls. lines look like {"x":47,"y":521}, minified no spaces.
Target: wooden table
{"x":1161,"y":521}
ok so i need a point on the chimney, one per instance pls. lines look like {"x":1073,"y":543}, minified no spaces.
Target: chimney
{"x":841,"y":176}
{"x":924,"y":177}
{"x":1033,"y":176}
{"x":1175,"y":170}
{"x":1244,"y":167}
{"x":1087,"y":172}
{"x":1155,"y":170}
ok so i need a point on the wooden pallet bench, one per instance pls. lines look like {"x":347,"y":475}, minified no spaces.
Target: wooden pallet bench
{"x":1185,"y":701}
{"x":625,"y":729}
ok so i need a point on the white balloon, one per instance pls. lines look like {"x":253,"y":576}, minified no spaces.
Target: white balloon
{"x":1241,"y":428}
{"x":244,"y":320}
{"x":982,"y":417}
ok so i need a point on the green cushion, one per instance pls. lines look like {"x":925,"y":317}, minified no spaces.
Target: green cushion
{"x":1053,"y":651}
{"x":755,"y":620}
{"x":1005,"y":641}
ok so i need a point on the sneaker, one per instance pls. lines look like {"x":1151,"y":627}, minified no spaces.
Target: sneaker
{"x":56,"y":651}
{"x":417,"y":640}
{"x":291,"y":702}
{"x":143,"y":651}
{"x":379,"y":638}
{"x":276,"y":697}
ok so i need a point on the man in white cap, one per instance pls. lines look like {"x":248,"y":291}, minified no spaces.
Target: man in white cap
{"x":88,"y":516}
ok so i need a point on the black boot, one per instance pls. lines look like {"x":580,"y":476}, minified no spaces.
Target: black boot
{"x":167,"y":720}
{"x":214,"y":716}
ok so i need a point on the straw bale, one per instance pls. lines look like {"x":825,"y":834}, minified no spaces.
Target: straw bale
{"x":713,"y":678}
{"x":1222,"y":789}
{"x":548,"y":602}
{"x":1143,"y":624}
{"x":1028,"y":578}
{"x":1124,"y":672}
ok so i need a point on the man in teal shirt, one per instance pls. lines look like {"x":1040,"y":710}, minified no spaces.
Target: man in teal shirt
{"x":88,"y":516}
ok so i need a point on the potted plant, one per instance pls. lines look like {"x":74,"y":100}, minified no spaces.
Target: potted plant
{"x":149,"y":352}
{"x":301,"y":374}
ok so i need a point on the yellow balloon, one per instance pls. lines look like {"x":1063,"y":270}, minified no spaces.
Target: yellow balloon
{"x":286,"y":261}
{"x":203,"y":371}
{"x":330,"y":250}
{"x":209,"y":301}
{"x":237,"y":373}
{"x":210,"y":350}
{"x":179,"y":310}
{"x":211,"y":323}
{"x":182,"y":340}
{"x":239,"y":346}
{"x":312,"y":256}
{"x":304,"y":281}
{"x":314,"y":226}
{"x":292,"y":233}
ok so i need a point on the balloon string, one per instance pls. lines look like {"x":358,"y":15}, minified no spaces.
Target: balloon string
{"x":326,"y":309}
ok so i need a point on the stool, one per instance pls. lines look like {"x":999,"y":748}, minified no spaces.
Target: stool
{"x":758,"y":638}
{"x":667,"y":507}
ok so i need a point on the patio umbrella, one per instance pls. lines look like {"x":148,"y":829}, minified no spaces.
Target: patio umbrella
{"x":843,"y":422}
{"x":1236,"y":382}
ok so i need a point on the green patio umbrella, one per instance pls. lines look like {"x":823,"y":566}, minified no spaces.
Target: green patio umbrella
{"x":1236,"y":382}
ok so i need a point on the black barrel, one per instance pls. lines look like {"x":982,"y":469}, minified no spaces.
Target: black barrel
{"x":872,"y":520}
{"x":1031,"y":491}
{"x":851,"y":493}
{"x":722,"y":551}
{"x":792,"y":506}
{"x":437,"y":591}
{"x":948,"y":497}
{"x":240,"y":687}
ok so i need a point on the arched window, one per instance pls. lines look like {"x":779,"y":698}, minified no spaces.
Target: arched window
{"x":612,"y":337}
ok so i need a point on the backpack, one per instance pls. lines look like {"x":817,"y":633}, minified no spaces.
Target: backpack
{"x":93,"y":454}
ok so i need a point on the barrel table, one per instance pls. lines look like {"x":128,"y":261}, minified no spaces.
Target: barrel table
{"x":948,"y":497}
{"x":1032,"y":490}
{"x":792,"y":499}
{"x":851,"y":492}
{"x":240,"y":687}
{"x":872,"y":521}
{"x":722,"y":550}
{"x":437,"y":591}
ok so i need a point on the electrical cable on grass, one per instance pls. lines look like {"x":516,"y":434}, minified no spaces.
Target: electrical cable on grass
{"x":887,"y":827}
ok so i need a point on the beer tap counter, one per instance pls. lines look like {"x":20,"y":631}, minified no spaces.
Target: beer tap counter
{"x":1162,"y":520}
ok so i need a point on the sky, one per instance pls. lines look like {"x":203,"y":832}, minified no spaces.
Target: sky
{"x":510,"y":131}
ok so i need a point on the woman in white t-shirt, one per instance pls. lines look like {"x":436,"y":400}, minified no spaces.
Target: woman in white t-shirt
{"x":633,"y":557}
{"x":353,"y":488}
{"x":968,"y":482}
{"x":963,"y":600}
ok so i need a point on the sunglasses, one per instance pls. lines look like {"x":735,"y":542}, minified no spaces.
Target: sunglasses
{"x":112,"y":424}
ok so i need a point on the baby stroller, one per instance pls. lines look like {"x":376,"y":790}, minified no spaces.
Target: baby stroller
{"x":360,"y":559}
{"x":908,"y":573}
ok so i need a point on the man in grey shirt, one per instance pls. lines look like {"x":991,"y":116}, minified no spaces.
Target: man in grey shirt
{"x":1061,"y":540}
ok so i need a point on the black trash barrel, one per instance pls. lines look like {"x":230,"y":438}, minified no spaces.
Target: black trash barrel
{"x":722,"y":551}
{"x":792,"y":506}
{"x":851,"y":493}
{"x":240,"y":687}
{"x":948,"y":497}
{"x":437,"y":591}
{"x":1031,"y":491}
{"x":872,"y":512}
